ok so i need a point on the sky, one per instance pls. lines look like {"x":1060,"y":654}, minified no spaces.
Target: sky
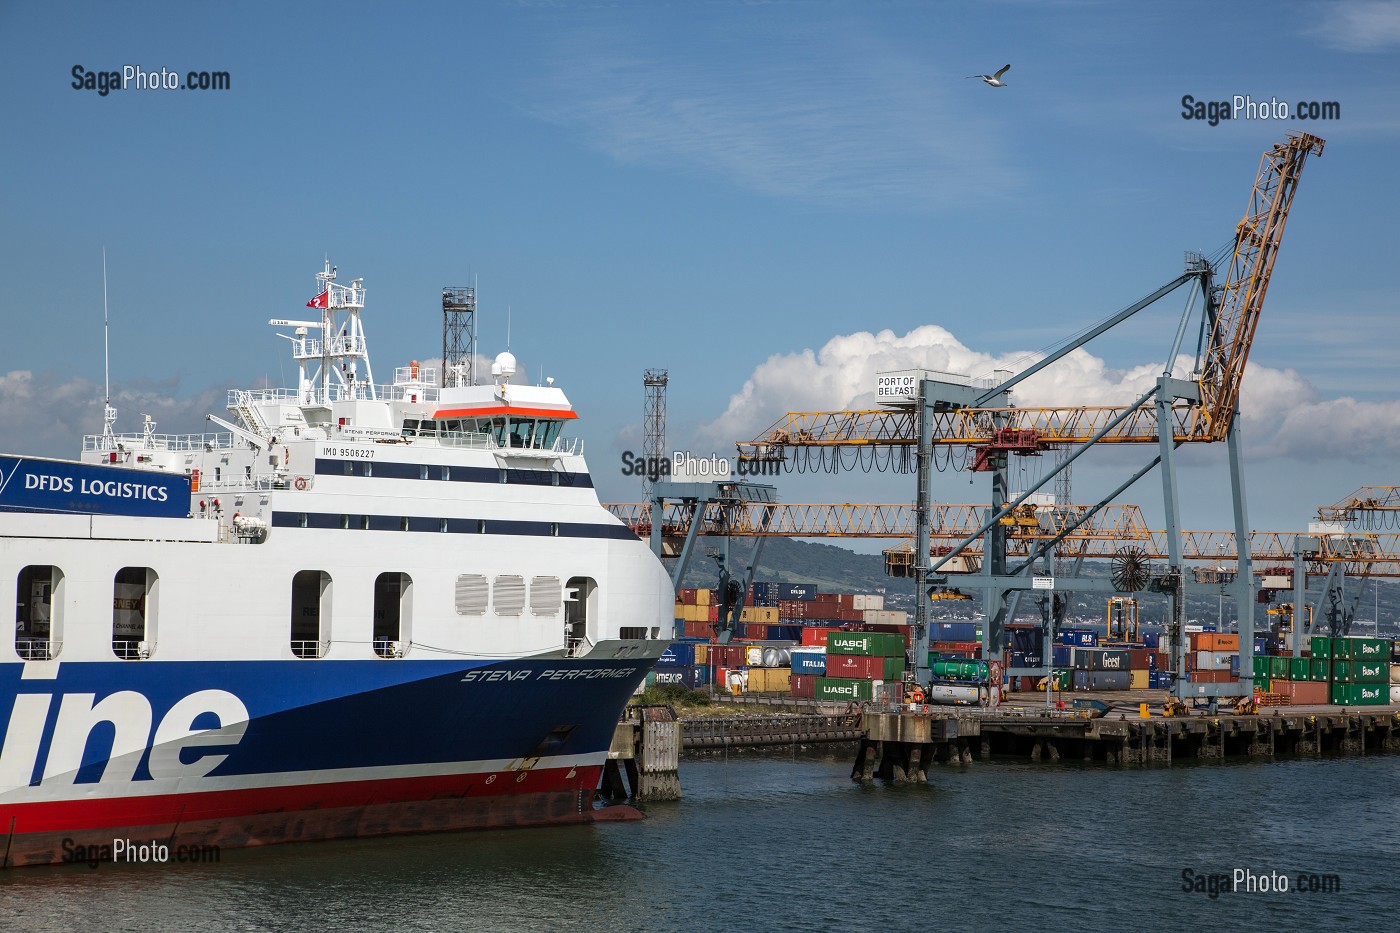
{"x":773,"y":201}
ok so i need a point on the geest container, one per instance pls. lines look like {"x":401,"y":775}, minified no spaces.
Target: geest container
{"x":1101,"y":659}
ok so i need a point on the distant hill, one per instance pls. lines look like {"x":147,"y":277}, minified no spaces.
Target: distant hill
{"x":834,"y":569}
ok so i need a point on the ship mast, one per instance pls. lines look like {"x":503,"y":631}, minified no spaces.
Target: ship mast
{"x":341,"y":348}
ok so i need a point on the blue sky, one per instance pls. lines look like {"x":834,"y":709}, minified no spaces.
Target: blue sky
{"x":710,"y":187}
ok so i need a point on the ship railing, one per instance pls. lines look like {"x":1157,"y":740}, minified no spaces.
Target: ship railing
{"x":576,"y":647}
{"x":158,"y":441}
{"x":131,"y":650}
{"x":37,"y":649}
{"x":309,"y":649}
{"x":316,"y":395}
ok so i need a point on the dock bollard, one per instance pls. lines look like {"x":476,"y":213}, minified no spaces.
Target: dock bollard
{"x":1144,"y":712}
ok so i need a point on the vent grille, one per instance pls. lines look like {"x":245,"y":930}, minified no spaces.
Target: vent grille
{"x":509,"y":595}
{"x":546,"y":596}
{"x":471,"y":594}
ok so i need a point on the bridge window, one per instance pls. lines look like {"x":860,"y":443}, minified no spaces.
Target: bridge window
{"x":311,"y":613}
{"x":393,"y":611}
{"x":134,"y":592}
{"x":39,"y":613}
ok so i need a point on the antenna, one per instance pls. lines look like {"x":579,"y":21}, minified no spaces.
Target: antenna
{"x":507,"y":328}
{"x":109,"y":414}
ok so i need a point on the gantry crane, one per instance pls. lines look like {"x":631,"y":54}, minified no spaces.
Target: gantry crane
{"x":945,"y":412}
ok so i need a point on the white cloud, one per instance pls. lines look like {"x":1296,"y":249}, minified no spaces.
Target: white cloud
{"x":1284,"y":416}
{"x":1359,"y":25}
{"x":834,"y":118}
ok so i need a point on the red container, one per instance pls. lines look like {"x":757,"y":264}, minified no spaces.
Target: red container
{"x":700,"y":630}
{"x":814,"y":636}
{"x":1138,"y":659}
{"x":714,"y":613}
{"x":687,"y":595}
{"x":971,"y":649}
{"x":803,"y":685}
{"x":850,"y":615}
{"x":1213,"y":677}
{"x":855,"y":667}
{"x":792,"y":608}
{"x":1302,"y":692}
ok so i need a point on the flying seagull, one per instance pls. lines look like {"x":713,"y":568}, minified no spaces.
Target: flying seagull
{"x":994,"y":80}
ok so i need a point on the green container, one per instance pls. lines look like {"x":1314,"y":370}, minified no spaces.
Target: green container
{"x":866,"y":644}
{"x":1299,"y":669}
{"x":1278,"y":668}
{"x":839,"y":688}
{"x":955,"y":670}
{"x":1263,"y":683}
{"x":1322,"y":646}
{"x":1064,"y":678}
{"x":1361,"y":672}
{"x":1319,"y":670}
{"x":1361,"y":649}
{"x":1261,"y":666}
{"x":1360,"y":694}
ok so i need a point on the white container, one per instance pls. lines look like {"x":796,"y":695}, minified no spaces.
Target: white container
{"x":753,"y":656}
{"x":956,"y":695}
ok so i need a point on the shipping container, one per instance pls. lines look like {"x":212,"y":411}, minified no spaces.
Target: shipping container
{"x":866,"y":602}
{"x":691,"y":676}
{"x":1361,"y":649}
{"x":1022,"y":660}
{"x":955,"y":631}
{"x":1261,"y":667}
{"x":1319,"y":670}
{"x":956,"y":694}
{"x":1210,"y":641}
{"x":1279,"y":668}
{"x":836,"y":688}
{"x":1152,"y":640}
{"x":1062,"y":655}
{"x":1306,"y":693}
{"x":1361,"y":672}
{"x":1138,"y":680}
{"x":803,"y":685}
{"x":815,"y":635}
{"x":870,"y":644}
{"x":1359,"y":694}
{"x":1079,"y":637}
{"x":1211,"y":677}
{"x":864,"y":667}
{"x":1321,"y":646}
{"x":1141,"y":659}
{"x":808,"y":660}
{"x":1300,"y":669}
{"x":1395,"y":693}
{"x":1395,"y":673}
{"x":1100,"y":659}
{"x":769,"y":679}
{"x":1101,"y":680}
{"x":803,"y":591}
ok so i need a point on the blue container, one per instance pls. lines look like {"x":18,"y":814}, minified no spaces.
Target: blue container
{"x":957,"y":631}
{"x":679,"y":654}
{"x":1152,"y":640}
{"x":1152,"y":661}
{"x":797,"y":591}
{"x":1079,"y":637}
{"x":692,"y":676}
{"x":1061,"y":655}
{"x":784,"y":633}
{"x":1212,"y":627}
{"x":1235,"y":664}
{"x":1026,"y":640}
{"x":765,"y":591}
{"x":1101,"y":680}
{"x":809,"y":662}
{"x":1261,"y":646}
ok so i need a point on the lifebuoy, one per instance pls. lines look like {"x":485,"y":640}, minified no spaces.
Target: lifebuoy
{"x":235,"y":517}
{"x":300,"y":483}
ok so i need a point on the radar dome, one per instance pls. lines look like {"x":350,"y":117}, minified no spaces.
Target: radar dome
{"x":504,"y":364}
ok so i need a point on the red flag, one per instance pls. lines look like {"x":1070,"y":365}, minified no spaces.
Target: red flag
{"x":320,"y":301}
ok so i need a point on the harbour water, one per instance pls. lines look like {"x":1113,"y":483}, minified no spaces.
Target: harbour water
{"x":777,"y":842}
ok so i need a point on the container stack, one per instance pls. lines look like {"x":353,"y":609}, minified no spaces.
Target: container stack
{"x":1212,"y":658}
{"x":856,"y":662}
{"x":1341,"y":671}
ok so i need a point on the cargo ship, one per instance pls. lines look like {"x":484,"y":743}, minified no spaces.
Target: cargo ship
{"x":357,"y":609}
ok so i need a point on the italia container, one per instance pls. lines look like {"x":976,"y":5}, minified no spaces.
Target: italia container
{"x":840,"y":688}
{"x":864,"y":667}
{"x":1361,"y":649}
{"x":1361,"y":672}
{"x":1101,"y":680}
{"x":870,"y":644}
{"x":1360,"y":694}
{"x":808,"y":660}
{"x":1101,"y":659}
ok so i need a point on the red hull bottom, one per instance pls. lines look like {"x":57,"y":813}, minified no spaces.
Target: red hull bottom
{"x":201,"y":839}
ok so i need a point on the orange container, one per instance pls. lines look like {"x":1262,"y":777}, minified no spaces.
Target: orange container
{"x":1211,"y":641}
